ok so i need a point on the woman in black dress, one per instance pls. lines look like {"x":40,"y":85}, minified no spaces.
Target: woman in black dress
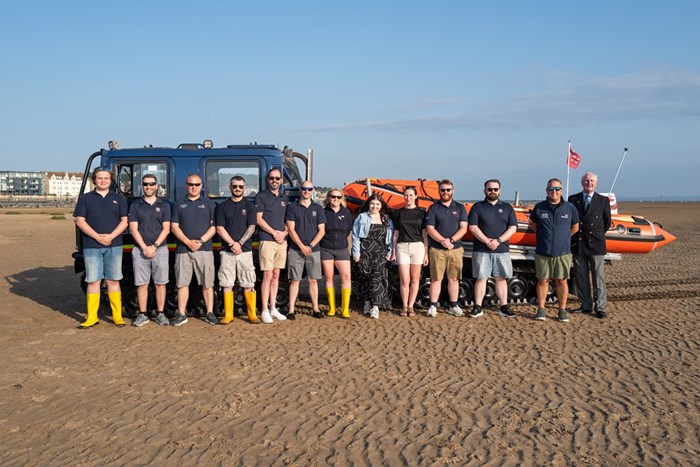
{"x":372,"y":248}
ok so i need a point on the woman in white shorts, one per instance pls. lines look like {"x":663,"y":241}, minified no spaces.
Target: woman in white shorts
{"x":410,"y":248}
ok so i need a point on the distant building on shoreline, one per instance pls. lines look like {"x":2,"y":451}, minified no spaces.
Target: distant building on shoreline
{"x":63,"y":183}
{"x":59,"y":184}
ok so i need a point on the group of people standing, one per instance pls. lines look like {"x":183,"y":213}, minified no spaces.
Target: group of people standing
{"x":304,"y":236}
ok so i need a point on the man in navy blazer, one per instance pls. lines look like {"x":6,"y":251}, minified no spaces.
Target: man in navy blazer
{"x":588,"y":246}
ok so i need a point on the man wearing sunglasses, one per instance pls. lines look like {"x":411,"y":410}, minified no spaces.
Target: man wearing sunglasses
{"x":271,"y":206}
{"x":236,"y":220}
{"x":492,"y":222}
{"x":193,"y":226}
{"x":588,"y":246}
{"x":149,"y":224}
{"x":306,"y":224}
{"x":446,"y":224}
{"x":554,"y":222}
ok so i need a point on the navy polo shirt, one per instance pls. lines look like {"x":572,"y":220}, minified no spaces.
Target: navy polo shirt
{"x":235,"y":217}
{"x":194,"y":218}
{"x":150,"y":218}
{"x":445,"y":219}
{"x":409,"y":223}
{"x":493,"y":220}
{"x":102,"y":213}
{"x":338,"y":227}
{"x":274,"y":209}
{"x":553,"y":227}
{"x":306,"y":222}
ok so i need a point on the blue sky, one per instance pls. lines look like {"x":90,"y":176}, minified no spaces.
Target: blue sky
{"x":458,"y":89}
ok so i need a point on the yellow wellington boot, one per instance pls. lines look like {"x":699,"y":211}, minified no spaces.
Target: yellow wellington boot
{"x":115,"y":303}
{"x":228,"y":308}
{"x":330,"y":295}
{"x":345,"y":304}
{"x":93,"y":304}
{"x":250,"y":299}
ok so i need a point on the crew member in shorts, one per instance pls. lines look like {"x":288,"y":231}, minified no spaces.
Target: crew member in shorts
{"x":149,"y":224}
{"x":492,"y":222}
{"x":306,"y":224}
{"x":554,"y":222}
{"x":101,"y":216}
{"x":236,"y":220}
{"x":193,"y":226}
{"x":271,"y":206}
{"x":446,"y":224}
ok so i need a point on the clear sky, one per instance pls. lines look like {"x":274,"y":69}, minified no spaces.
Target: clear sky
{"x":461,"y":89}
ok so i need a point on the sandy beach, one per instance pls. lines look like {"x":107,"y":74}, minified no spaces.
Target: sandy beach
{"x":396,"y":391}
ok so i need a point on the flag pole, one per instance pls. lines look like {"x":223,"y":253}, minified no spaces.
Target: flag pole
{"x":618,"y":169}
{"x":568,"y":168}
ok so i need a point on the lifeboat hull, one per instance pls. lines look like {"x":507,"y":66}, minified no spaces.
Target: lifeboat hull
{"x":627,"y":234}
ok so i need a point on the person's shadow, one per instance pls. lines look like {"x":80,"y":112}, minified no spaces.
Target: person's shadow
{"x":56,"y":288}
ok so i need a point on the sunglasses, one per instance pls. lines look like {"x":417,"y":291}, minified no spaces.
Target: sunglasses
{"x":276,"y":179}
{"x":445,"y":190}
{"x":193,"y":184}
{"x":492,"y":189}
{"x":149,"y":184}
{"x":237,"y":187}
{"x":307,"y":188}
{"x":335,"y":196}
{"x":553,"y":188}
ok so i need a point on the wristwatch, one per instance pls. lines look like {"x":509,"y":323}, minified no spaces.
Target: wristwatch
{"x":156,"y":244}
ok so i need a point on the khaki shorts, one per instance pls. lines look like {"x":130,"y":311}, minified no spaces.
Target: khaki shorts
{"x":199,"y":262}
{"x":410,"y":253}
{"x":445,"y":260}
{"x":272,"y":255}
{"x":240,"y":266}
{"x":553,"y":267}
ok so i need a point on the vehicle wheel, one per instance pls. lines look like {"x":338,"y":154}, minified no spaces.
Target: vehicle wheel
{"x":517,"y":288}
{"x":490,"y":293}
{"x":466,"y":291}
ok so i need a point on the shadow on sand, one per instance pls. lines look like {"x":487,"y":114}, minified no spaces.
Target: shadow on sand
{"x":55,"y":288}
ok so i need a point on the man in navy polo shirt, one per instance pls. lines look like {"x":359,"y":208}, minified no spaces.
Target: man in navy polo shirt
{"x":193,"y":226}
{"x":492,"y":222}
{"x":446,"y":224}
{"x":149,"y":224}
{"x":554,"y":222}
{"x":306,"y":223}
{"x":236,"y":219}
{"x":271,"y":205}
{"x":101,"y":216}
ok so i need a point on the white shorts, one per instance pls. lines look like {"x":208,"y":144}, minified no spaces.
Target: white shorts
{"x":410,"y":253}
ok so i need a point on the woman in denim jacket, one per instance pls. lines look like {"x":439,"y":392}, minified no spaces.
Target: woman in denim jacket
{"x":372,"y":233}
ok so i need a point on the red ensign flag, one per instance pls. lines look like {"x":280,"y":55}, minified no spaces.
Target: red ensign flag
{"x":574,"y":159}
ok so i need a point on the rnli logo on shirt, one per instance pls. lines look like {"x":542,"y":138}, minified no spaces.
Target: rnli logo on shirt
{"x":183,"y":206}
{"x":282,"y":203}
{"x":454,"y":213}
{"x":244,"y":212}
{"x":544,"y":215}
{"x":341,"y":217}
{"x":313,"y":213}
{"x":114,"y":201}
{"x":157,"y":209}
{"x":201,"y":206}
{"x":500,"y":211}
{"x":565,"y":216}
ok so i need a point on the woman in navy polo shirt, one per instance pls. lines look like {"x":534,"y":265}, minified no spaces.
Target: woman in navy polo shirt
{"x":334,"y":250}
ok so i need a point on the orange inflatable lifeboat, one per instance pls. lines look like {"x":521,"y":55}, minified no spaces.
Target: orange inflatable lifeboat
{"x":627,"y":234}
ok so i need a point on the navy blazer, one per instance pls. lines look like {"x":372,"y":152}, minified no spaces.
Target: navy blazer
{"x":590,"y":238}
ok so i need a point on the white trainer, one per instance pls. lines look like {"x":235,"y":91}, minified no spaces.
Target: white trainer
{"x":367,"y":308}
{"x":455,"y":311}
{"x":277,"y":315}
{"x":374,"y":312}
{"x":265,"y":317}
{"x":432,"y":311}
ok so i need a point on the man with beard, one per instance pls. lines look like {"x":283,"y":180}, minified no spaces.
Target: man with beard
{"x":446,"y":224}
{"x":149,"y":224}
{"x":271,"y":206}
{"x":588,"y":246}
{"x":492,"y":222}
{"x":554,"y":222}
{"x":235,"y":223}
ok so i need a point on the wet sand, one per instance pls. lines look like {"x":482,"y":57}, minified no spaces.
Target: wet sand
{"x":395,"y":391}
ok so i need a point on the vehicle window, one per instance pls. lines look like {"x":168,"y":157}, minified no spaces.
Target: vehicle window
{"x":130,"y":174}
{"x":218,"y":176}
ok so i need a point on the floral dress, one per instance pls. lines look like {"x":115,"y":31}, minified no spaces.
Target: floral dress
{"x":373,"y":267}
